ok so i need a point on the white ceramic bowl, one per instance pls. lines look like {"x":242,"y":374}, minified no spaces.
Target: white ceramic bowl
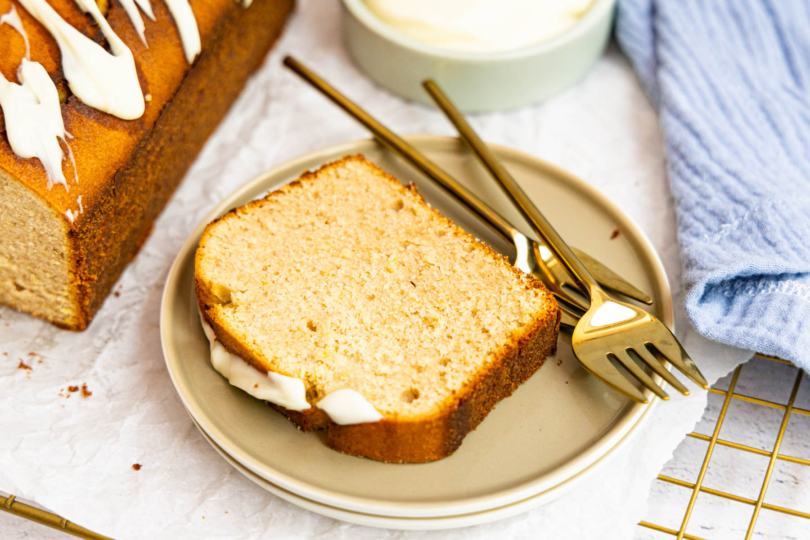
{"x":476,"y":81}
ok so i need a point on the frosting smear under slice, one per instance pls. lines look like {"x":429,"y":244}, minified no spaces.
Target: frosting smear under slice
{"x":343,"y":406}
{"x":288,"y":392}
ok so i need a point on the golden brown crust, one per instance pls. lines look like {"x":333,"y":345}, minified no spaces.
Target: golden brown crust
{"x":306,"y":420}
{"x":188,"y":120}
{"x":129,"y":169}
{"x":406,"y":441}
{"x":438,"y":437}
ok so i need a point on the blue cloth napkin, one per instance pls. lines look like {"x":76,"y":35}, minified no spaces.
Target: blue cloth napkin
{"x":731,"y":80}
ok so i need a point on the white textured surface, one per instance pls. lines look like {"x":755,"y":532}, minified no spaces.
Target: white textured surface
{"x":75,"y":455}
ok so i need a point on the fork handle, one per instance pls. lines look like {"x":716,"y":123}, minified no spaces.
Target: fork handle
{"x":539,"y":223}
{"x":411,"y":154}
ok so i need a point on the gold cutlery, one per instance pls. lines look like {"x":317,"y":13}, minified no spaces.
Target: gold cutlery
{"x":10,"y":503}
{"x":531,"y":257}
{"x":610,"y":330}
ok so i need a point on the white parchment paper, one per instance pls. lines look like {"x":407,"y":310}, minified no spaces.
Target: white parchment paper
{"x":74,"y":454}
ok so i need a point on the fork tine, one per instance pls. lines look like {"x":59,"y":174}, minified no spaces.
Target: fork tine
{"x":672,"y":350}
{"x":631,"y":366}
{"x":648,"y":358}
{"x":568,"y":319}
{"x":565,"y":303}
{"x":601,"y":368}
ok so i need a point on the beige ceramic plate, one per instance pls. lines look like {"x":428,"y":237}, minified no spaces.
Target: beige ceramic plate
{"x":371,"y":520}
{"x":551,"y":431}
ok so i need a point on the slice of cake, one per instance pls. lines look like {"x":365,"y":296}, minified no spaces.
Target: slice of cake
{"x":362,"y":310}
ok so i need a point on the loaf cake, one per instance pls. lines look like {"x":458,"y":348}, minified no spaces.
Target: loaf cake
{"x":105,"y":106}
{"x":350,"y":304}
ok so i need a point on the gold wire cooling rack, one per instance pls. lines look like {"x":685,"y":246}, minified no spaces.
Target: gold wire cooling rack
{"x":10,"y":504}
{"x":714,"y":440}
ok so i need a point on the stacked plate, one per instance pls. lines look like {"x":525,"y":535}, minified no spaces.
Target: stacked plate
{"x":550,"y":433}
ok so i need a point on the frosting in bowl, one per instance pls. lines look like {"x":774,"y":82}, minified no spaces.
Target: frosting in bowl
{"x":480,"y":25}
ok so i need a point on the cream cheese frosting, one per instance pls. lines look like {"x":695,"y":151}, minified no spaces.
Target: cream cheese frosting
{"x":480,"y":25}
{"x":343,"y":406}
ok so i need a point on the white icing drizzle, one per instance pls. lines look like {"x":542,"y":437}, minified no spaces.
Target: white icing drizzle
{"x":611,"y":313}
{"x":146,"y":6}
{"x":32,"y":112}
{"x":186,"y":26}
{"x":346,"y":407}
{"x":108,"y":82}
{"x":71,"y":214}
{"x":33,"y":119}
{"x":135,"y":16}
{"x":12,"y":18}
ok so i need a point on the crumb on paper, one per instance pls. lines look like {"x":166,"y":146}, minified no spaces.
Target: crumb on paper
{"x":32,"y":354}
{"x":73,"y":388}
{"x":615,"y":234}
{"x":23,"y":365}
{"x":85,"y":391}
{"x":136,"y":466}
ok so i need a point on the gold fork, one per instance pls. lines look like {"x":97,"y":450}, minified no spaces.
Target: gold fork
{"x":531,"y":257}
{"x":609,"y":329}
